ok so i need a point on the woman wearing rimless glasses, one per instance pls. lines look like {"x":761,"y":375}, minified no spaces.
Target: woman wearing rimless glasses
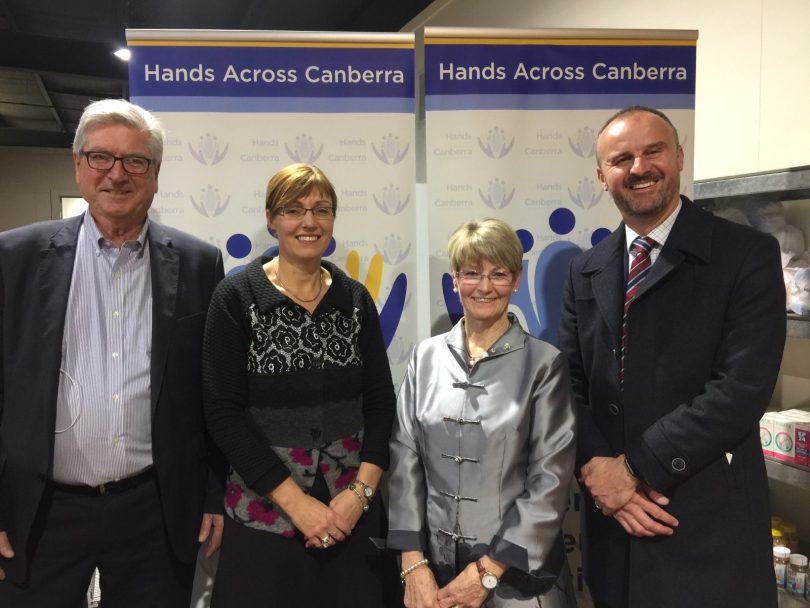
{"x":482,"y":453}
{"x":299,"y":398}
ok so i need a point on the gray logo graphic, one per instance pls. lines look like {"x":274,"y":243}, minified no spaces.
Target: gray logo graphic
{"x":390,"y":201}
{"x":495,"y":145}
{"x":584,"y":144}
{"x":389,"y":151}
{"x":497,"y":195}
{"x":587,"y":193}
{"x":303,"y":151}
{"x":392,"y":250}
{"x":207,"y":151}
{"x":210,"y":202}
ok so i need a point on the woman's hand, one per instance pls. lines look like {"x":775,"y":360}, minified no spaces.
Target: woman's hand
{"x":464,"y":591}
{"x":421,"y":589}
{"x":348,"y":504}
{"x":310,"y":516}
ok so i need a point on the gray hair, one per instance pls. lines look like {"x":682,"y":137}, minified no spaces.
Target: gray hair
{"x":485,"y":239}
{"x":121,"y":112}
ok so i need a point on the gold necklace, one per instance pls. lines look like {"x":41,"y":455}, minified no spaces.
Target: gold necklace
{"x":289,"y":291}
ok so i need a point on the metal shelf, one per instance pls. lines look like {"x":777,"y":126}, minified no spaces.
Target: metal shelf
{"x":791,"y":600}
{"x":788,"y":473}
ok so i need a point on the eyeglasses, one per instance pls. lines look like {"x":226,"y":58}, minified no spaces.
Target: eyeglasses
{"x":473,"y":277}
{"x":297,"y":212}
{"x":103,"y":161}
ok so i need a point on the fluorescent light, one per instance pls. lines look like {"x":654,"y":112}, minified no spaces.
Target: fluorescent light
{"x":123,"y":54}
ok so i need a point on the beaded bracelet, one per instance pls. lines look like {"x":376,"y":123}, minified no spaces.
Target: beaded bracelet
{"x":409,"y":569}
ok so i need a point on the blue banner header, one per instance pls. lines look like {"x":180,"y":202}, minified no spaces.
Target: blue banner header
{"x":586,"y":68}
{"x":337,"y":71}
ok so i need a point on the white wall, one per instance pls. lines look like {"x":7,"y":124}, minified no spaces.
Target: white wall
{"x":753,"y":66}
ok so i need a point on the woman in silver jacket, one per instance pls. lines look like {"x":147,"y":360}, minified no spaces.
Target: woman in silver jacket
{"x":482,"y":454}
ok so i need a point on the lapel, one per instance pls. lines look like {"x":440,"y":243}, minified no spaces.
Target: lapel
{"x":53,"y":278}
{"x":605,"y":266}
{"x":690,"y":237}
{"x":164,"y":262}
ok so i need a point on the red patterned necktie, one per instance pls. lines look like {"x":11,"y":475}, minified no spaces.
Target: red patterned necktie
{"x":640,"y":249}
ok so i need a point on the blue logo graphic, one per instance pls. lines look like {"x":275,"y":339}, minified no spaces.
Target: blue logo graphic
{"x":587,"y":193}
{"x":497,"y":195}
{"x":303,"y":151}
{"x":390,"y":201}
{"x":210,"y":202}
{"x":495,"y":145}
{"x":389,"y":151}
{"x":207,"y":151}
{"x":584,"y":144}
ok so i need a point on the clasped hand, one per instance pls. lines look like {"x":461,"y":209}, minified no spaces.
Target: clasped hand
{"x":633,"y":504}
{"x":464,"y":591}
{"x":333,"y":522}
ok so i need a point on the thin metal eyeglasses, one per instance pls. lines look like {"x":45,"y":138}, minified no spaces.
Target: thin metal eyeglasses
{"x":297,"y":212}
{"x":473,"y":277}
{"x":104,"y":161}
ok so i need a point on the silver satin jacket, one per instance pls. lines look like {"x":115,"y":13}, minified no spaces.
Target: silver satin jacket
{"x":482,"y":459}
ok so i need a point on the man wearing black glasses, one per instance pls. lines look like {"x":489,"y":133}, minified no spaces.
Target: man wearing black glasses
{"x":103,"y":455}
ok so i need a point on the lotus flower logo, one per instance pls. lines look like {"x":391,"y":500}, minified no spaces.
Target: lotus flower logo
{"x":495,"y":145}
{"x":496,"y":196}
{"x":584,"y":144}
{"x":392,"y":250}
{"x":303,"y":151}
{"x":390,"y":201}
{"x":207,"y":151}
{"x":389,"y":151}
{"x":210,"y":202}
{"x":587,"y":194}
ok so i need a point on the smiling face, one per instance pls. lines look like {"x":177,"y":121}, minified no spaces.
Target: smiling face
{"x":302,"y":241}
{"x":118,"y":201}
{"x":639,"y":164}
{"x":485,"y":304}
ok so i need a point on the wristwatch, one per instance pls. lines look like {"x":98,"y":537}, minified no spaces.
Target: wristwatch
{"x":366,"y":493}
{"x":488,"y":580}
{"x":367,"y":490}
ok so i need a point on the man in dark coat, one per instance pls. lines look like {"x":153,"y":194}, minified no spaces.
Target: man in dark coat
{"x":103,"y":454}
{"x":670,"y":380}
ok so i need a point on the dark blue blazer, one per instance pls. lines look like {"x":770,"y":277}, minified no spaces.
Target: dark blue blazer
{"x":706,"y":334}
{"x":36,"y":265}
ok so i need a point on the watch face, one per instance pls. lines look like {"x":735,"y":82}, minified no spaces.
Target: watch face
{"x":368,"y":491}
{"x":489,"y":581}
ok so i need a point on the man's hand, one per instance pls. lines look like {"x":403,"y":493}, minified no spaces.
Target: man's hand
{"x":210,"y":530}
{"x":6,"y":551}
{"x":643,"y":515}
{"x":609,"y":482}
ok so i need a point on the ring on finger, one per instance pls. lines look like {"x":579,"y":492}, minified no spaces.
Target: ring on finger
{"x":325,"y":541}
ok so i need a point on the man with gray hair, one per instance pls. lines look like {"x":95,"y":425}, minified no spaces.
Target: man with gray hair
{"x":104,"y":460}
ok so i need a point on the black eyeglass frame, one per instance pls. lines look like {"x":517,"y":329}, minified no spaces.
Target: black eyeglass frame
{"x":87,"y":153}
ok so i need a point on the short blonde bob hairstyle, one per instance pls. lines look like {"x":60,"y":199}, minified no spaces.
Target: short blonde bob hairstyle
{"x":485,"y":239}
{"x":294,"y":182}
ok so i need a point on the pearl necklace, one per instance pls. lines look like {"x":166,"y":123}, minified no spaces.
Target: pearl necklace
{"x":295,"y":297}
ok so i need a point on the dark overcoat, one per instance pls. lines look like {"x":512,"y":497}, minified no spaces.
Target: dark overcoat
{"x":706,"y":334}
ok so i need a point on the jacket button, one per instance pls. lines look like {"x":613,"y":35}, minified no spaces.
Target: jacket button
{"x":613,"y":409}
{"x":315,"y":432}
{"x":678,"y":464}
